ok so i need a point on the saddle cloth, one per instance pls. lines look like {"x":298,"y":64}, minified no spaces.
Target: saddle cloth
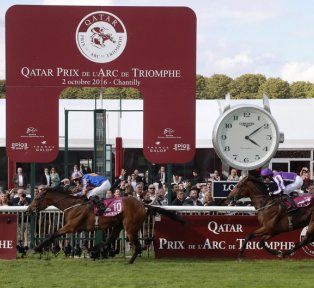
{"x":113,"y":206}
{"x":301,"y":201}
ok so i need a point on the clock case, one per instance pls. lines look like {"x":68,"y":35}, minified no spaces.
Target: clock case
{"x":226,"y":163}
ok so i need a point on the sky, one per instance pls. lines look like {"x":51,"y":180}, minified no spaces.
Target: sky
{"x":234,"y":37}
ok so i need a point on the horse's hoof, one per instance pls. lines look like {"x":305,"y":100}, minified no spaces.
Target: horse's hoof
{"x":280,"y":254}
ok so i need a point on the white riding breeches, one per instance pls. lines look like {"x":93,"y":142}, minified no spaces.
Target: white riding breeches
{"x":296,"y":185}
{"x":100,"y":191}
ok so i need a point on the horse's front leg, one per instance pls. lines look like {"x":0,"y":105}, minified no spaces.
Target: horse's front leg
{"x":46,"y":242}
{"x":263,"y":245}
{"x":247,"y":239}
{"x":63,"y":230}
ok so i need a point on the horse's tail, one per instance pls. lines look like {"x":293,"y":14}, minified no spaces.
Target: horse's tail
{"x":152,"y":210}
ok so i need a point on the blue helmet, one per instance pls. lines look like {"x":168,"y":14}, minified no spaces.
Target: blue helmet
{"x":266,"y":172}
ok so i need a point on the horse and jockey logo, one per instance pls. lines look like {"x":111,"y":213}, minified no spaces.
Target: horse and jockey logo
{"x":101,"y":37}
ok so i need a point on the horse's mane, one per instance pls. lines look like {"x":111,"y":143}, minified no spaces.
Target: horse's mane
{"x":59,"y":189}
{"x":259,"y":182}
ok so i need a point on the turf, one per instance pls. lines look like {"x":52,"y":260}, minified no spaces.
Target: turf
{"x":31,"y":271}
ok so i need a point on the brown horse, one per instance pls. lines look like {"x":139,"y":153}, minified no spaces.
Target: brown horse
{"x":272,"y":215}
{"x":79,"y":216}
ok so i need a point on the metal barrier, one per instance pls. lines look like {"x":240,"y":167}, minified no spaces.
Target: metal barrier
{"x":30,"y":231}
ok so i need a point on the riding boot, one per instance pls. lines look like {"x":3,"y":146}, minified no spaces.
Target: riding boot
{"x":101,"y":208}
{"x":293,"y":205}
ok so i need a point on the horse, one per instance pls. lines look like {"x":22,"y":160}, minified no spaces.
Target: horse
{"x":272,"y":215}
{"x":79,"y":216}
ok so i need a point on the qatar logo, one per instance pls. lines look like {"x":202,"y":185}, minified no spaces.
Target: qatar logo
{"x":101,"y":37}
{"x":309,"y":248}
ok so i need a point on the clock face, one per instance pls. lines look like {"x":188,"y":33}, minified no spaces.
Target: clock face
{"x":246,"y":137}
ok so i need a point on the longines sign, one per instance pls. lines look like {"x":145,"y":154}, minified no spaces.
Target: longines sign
{"x":152,"y":49}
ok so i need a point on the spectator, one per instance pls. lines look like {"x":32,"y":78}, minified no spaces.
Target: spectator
{"x":109,"y":194}
{"x":20,"y":199}
{"x":203,"y":190}
{"x":139,"y":191}
{"x":176,"y":178}
{"x":132,"y":181}
{"x":4,"y":200}
{"x":146,"y":197}
{"x":20,"y":179}
{"x":192,"y":199}
{"x":208,"y":199}
{"x":306,"y":181}
{"x":151,"y":190}
{"x":138,"y":177}
{"x":197,"y":178}
{"x":55,"y":178}
{"x":180,"y":197}
{"x":216,"y":176}
{"x":45,"y":178}
{"x":187,"y":187}
{"x":74,"y":172}
{"x":233,"y":175}
{"x":161,"y":177}
{"x":161,"y":198}
{"x":117,"y":193}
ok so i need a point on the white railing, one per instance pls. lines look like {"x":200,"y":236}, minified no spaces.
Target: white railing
{"x":51,"y":219}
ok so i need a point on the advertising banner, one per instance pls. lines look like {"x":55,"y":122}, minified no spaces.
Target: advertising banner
{"x":8,"y":230}
{"x":221,"y":237}
{"x":152,"y":49}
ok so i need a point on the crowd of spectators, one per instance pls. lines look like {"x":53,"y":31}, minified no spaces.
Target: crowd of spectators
{"x":195,"y":191}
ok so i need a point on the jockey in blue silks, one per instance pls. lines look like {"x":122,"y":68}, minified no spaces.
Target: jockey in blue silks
{"x":95,"y":188}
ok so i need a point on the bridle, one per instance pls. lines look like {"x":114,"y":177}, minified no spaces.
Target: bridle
{"x":40,"y":197}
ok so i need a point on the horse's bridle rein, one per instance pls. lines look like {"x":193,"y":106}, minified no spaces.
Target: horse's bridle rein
{"x":41,"y":196}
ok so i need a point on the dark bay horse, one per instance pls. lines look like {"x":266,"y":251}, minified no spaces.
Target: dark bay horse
{"x":272,"y":215}
{"x":79,"y":216}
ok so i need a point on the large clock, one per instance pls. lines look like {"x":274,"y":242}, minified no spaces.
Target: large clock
{"x":246,"y":137}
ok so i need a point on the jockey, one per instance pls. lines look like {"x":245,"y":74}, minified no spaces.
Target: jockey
{"x":94,"y":187}
{"x":287,"y":182}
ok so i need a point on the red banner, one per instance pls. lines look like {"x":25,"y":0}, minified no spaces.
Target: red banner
{"x":8,"y":236}
{"x":152,"y":49}
{"x":220,"y":237}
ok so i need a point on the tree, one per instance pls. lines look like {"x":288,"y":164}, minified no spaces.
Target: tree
{"x":217,"y":86}
{"x":200,"y":87}
{"x":2,"y":88}
{"x":275,"y":88}
{"x":246,"y":86}
{"x":301,"y":89}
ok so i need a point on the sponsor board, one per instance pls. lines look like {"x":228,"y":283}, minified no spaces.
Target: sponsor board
{"x":8,"y":228}
{"x":220,"y":237}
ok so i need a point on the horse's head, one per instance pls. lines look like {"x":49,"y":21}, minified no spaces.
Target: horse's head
{"x":42,"y":200}
{"x":237,"y":192}
{"x":248,"y":187}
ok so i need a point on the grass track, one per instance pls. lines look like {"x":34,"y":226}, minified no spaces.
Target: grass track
{"x":149,"y":272}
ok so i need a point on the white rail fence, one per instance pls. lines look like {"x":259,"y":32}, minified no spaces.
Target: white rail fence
{"x":51,"y":219}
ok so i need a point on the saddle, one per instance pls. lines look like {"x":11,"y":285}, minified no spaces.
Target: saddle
{"x":113,"y":207}
{"x":299,"y":201}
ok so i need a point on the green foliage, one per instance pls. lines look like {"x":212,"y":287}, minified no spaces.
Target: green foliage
{"x":301,"y":89}
{"x":154,"y":273}
{"x":2,"y":88}
{"x":275,"y":88}
{"x":217,"y":86}
{"x":246,"y":86}
{"x":92,"y":92}
{"x":200,"y":87}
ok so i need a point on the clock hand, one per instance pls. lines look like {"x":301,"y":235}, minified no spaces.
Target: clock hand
{"x":256,"y":130}
{"x":248,"y":138}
